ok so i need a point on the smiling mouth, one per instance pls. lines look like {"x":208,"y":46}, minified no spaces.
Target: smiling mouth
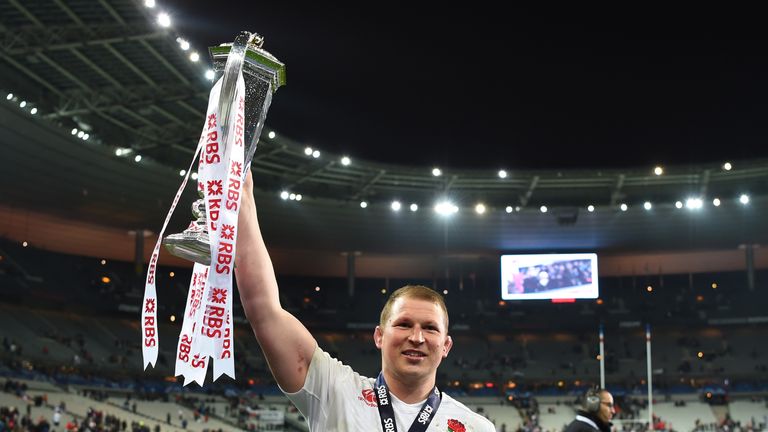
{"x":414,"y":354}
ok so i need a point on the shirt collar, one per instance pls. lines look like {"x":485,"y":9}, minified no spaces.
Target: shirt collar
{"x":588,"y":421}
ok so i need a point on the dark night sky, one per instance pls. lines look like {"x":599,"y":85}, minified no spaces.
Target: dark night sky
{"x":477,"y":87}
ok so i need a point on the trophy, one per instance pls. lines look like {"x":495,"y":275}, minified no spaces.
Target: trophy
{"x":263,"y":75}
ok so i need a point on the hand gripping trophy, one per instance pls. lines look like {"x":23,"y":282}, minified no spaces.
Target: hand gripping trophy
{"x":237,"y":108}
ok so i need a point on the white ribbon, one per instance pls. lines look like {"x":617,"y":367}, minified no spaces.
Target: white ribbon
{"x":149,"y":336}
{"x":223,"y":188}
{"x":207,"y":328}
{"x":187,"y":365}
{"x":191,"y":361}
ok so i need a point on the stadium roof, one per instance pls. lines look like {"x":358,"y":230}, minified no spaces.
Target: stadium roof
{"x":105,"y":69}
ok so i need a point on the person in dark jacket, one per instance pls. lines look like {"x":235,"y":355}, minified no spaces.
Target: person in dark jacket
{"x":595,"y":413}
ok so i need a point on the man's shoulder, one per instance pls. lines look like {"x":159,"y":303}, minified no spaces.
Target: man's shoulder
{"x":454,"y":408}
{"x":343,"y":373}
{"x":578,"y":425}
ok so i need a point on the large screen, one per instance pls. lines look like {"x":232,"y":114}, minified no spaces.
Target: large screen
{"x":549,"y":276}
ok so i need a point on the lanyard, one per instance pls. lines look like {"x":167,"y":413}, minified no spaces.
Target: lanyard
{"x":387,"y":413}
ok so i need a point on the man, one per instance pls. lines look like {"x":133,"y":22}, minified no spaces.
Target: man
{"x":595,"y":414}
{"x":412,"y":335}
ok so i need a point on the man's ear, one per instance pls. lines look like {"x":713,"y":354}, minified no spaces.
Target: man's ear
{"x":448,"y":345}
{"x":378,"y":336}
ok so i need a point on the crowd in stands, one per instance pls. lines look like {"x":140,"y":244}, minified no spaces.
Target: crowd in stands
{"x":473,"y":359}
{"x":730,"y":425}
{"x":529,"y":413}
{"x":473,"y":297}
{"x":503,"y":353}
{"x":12,"y":421}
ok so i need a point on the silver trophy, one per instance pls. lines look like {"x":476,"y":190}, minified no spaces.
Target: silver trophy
{"x":263,"y":75}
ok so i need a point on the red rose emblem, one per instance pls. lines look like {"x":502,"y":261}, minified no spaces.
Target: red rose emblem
{"x":368,"y":397}
{"x":456,"y":426}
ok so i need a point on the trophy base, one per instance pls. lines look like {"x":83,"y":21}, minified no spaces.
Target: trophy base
{"x":192,"y":246}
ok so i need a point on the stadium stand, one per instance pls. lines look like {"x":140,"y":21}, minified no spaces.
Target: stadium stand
{"x":75,"y":211}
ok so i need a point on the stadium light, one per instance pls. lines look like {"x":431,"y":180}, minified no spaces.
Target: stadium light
{"x":744,"y":199}
{"x":436,"y":172}
{"x":446,"y":208}
{"x":163,"y":19}
{"x":694,"y":203}
{"x":396,"y":205}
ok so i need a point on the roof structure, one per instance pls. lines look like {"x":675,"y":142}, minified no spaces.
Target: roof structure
{"x":103,"y":79}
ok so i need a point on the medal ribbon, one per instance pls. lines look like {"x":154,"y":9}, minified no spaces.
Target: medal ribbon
{"x":387,"y":413}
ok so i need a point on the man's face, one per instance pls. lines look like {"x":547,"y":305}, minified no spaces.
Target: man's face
{"x":606,"y":411}
{"x":414,"y":340}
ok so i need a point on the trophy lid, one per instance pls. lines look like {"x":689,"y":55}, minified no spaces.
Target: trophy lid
{"x":255,"y":57}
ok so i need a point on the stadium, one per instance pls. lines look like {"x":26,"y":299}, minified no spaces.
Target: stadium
{"x":102,"y":102}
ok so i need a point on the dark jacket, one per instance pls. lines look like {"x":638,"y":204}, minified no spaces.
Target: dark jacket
{"x":584,"y":423}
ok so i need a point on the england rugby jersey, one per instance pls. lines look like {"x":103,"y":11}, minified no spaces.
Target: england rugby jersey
{"x":337,"y":399}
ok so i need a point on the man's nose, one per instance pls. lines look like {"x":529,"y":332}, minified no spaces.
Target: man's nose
{"x":416,"y":336}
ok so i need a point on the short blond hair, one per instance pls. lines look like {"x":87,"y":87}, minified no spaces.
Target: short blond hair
{"x":419,"y":292}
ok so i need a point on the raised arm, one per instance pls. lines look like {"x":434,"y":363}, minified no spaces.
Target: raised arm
{"x":287,"y":344}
